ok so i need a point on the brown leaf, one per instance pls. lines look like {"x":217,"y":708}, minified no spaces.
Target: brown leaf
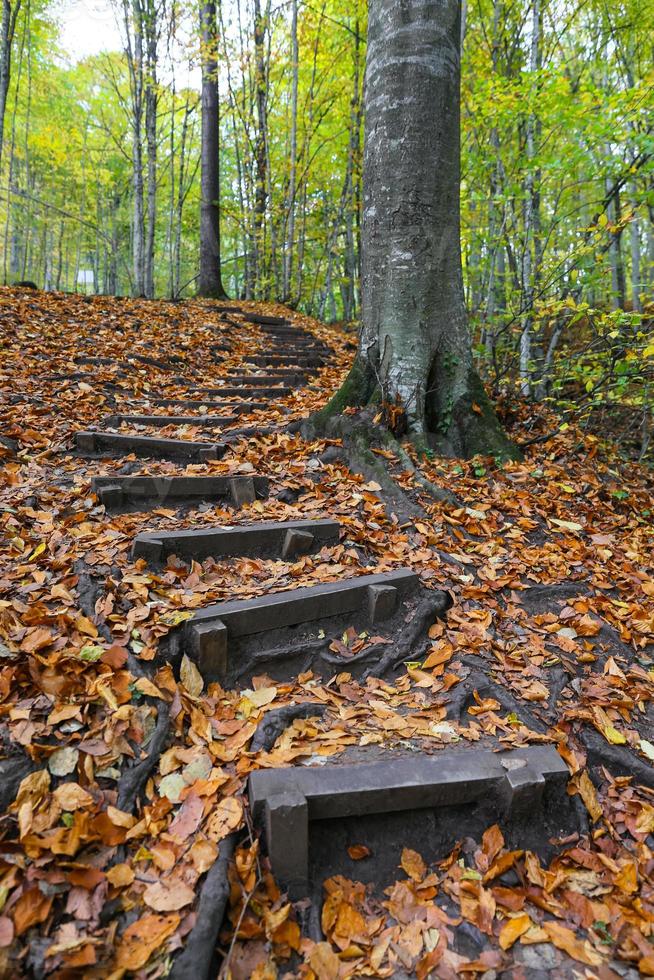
{"x":413,"y":864}
{"x":225,"y":818}
{"x":31,"y":908}
{"x":168,"y":895}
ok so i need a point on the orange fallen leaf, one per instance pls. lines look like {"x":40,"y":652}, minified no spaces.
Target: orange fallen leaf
{"x":142,"y":938}
{"x":513,"y":929}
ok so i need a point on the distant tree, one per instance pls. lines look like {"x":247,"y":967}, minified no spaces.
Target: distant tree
{"x":7,"y":31}
{"x":210,"y":282}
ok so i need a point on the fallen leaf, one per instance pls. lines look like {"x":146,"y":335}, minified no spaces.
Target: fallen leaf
{"x":168,"y":895}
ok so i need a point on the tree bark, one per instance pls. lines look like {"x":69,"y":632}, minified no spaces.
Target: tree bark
{"x":532,"y":219}
{"x":261,"y":25}
{"x":7,"y":30}
{"x":210,"y":283}
{"x":292,"y":162}
{"x":151,"y":20}
{"x":415,"y":349}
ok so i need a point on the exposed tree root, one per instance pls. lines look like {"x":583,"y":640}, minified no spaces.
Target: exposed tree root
{"x":13,"y":769}
{"x":438,"y":493}
{"x":274,"y":723}
{"x":279,"y":655}
{"x":196,"y":962}
{"x":461,"y":696}
{"x":359,"y":434}
{"x":429,"y":608}
{"x":620,"y":760}
{"x":132,"y":781}
{"x":88,"y":591}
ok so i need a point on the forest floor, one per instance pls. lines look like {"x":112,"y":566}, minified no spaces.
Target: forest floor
{"x":549,"y":563}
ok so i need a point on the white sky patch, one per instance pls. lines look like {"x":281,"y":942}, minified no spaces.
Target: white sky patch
{"x":88,"y":27}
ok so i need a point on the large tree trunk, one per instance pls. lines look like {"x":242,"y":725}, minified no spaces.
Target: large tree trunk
{"x":415,"y":348}
{"x":210,"y":283}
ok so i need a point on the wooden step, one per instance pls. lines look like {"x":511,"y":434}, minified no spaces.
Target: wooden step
{"x":267,"y":380}
{"x":207,"y":636}
{"x":147,"y":446}
{"x":248,"y":393}
{"x":272,"y":360}
{"x":219,"y":421}
{"x":119,"y":493}
{"x":279,"y":539}
{"x":518,"y":788}
{"x":235,"y":408}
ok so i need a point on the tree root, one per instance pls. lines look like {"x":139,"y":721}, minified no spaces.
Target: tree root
{"x":87,"y":593}
{"x":274,"y":723}
{"x":196,"y":961}
{"x":358,"y":434}
{"x":429,"y":608}
{"x":462,"y":695}
{"x":132,"y":781}
{"x":620,"y":760}
{"x":438,"y":493}
{"x":276,"y":655}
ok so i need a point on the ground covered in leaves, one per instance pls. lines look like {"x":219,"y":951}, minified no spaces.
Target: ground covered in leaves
{"x":136,"y":777}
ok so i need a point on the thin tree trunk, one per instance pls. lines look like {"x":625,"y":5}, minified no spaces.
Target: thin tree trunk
{"x":614,"y":214}
{"x":210,"y":283}
{"x":151,"y":101}
{"x":292,"y":161}
{"x":134,"y":54}
{"x":7,"y":31}
{"x":634,"y":230}
{"x":261,"y":141}
{"x":531,"y":218}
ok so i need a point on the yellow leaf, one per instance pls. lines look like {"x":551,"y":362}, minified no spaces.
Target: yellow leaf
{"x":613,"y":736}
{"x":565,"y":939}
{"x":146,"y":686}
{"x":568,"y":525}
{"x":71,"y":796}
{"x":120,"y":875}
{"x":40,"y":548}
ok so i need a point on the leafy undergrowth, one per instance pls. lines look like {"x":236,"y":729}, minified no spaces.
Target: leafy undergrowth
{"x":549,"y":562}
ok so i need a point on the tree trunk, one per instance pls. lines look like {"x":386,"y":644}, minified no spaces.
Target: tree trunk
{"x":292,"y":162}
{"x":210,"y":278}
{"x":415,"y":348}
{"x":634,"y":229}
{"x":134,"y":54}
{"x":531,"y":223}
{"x":7,"y":30}
{"x":618,"y":291}
{"x":261,"y":142}
{"x":152,"y":28}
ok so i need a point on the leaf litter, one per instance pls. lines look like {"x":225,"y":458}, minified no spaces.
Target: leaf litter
{"x":550,"y":565}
